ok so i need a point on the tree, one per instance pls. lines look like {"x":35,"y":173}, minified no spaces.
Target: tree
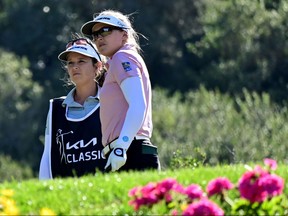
{"x":19,"y":105}
{"x":244,"y":46}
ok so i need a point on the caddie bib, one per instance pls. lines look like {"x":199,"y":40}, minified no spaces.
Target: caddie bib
{"x":75,"y":145}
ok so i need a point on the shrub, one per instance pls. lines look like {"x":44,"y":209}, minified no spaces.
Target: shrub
{"x":259,"y":191}
{"x":12,"y":170}
{"x":217,"y":127}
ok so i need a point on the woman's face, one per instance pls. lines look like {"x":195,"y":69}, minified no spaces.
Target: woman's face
{"x":108,"y":45}
{"x":81,"y":69}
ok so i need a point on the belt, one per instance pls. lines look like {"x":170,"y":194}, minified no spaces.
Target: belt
{"x":112,"y":144}
{"x":139,"y":137}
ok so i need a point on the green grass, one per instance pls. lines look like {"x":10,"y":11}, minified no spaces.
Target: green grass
{"x":107,"y":194}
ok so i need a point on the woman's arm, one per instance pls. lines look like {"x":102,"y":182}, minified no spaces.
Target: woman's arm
{"x":132,"y":89}
{"x":134,"y":95}
{"x":44,"y":171}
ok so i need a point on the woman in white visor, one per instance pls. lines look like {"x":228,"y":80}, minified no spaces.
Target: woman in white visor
{"x":73,"y":136}
{"x":126,"y":115}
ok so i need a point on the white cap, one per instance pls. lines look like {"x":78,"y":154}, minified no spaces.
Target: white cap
{"x":84,"y":49}
{"x":107,"y":19}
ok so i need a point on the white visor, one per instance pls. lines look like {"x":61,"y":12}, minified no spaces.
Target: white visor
{"x":107,"y":19}
{"x":84,"y":49}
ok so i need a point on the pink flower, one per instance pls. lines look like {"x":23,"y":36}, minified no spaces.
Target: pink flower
{"x":174,"y":212}
{"x":249,"y":186}
{"x":143,"y":196}
{"x":147,"y":189}
{"x":194,"y":191}
{"x":272,"y":164}
{"x":168,"y":184}
{"x":165,"y":187}
{"x":257,"y":185}
{"x":153,"y":192}
{"x":218,"y":186}
{"x":204,"y":207}
{"x":272,"y":184}
{"x":134,"y":191}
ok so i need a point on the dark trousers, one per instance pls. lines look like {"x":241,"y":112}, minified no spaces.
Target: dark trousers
{"x":141,"y":155}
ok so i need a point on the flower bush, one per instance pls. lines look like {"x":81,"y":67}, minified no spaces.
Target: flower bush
{"x":8,"y":205}
{"x":258,"y":191}
{"x":257,"y":185}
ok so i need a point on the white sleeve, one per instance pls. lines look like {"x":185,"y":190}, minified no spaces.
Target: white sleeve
{"x":45,"y":169}
{"x":132,"y":89}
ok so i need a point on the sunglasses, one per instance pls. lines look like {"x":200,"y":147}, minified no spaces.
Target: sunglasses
{"x":81,"y":41}
{"x":103,"y":32}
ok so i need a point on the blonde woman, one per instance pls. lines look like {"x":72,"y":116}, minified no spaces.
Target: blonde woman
{"x":126,"y":115}
{"x":73,"y":131}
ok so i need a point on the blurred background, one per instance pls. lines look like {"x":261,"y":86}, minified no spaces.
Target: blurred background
{"x":218,"y":71}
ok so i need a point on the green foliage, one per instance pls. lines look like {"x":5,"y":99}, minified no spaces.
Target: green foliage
{"x":107,"y":194}
{"x":275,"y":206}
{"x":19,"y":104}
{"x":180,"y":160}
{"x":223,"y":45}
{"x":168,"y":196}
{"x":12,"y":171}
{"x":244,"y":44}
{"x":225,"y":129}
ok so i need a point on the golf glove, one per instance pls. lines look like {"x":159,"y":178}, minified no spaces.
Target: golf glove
{"x":116,"y":159}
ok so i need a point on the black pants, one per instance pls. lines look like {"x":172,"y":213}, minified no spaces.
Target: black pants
{"x":141,"y":155}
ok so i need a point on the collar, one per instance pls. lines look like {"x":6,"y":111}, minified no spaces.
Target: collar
{"x":70,"y":102}
{"x":125,"y":47}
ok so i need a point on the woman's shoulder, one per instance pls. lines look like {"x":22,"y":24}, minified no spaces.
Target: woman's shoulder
{"x":124,"y":55}
{"x":58,"y":100}
{"x":62,"y":98}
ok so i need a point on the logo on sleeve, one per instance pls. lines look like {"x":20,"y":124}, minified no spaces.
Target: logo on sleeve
{"x":126,"y":66}
{"x":125,"y":138}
